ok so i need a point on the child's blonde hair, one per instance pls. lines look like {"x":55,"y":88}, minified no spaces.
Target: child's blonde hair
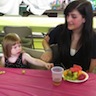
{"x":9,"y":40}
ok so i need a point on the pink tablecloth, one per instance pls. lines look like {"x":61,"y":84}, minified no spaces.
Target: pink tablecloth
{"x":39,"y":83}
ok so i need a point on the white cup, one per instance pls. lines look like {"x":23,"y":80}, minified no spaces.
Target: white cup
{"x":57,"y":72}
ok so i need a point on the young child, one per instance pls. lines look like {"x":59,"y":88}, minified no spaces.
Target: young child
{"x":14,"y":57}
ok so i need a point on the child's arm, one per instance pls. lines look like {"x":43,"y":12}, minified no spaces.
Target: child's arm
{"x":36,"y":61}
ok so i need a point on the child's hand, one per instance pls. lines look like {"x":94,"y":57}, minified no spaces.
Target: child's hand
{"x":49,"y":65}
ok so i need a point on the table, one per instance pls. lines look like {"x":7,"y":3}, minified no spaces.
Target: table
{"x":38,"y":24}
{"x":39,"y":83}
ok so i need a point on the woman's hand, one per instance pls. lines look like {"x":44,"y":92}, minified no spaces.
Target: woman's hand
{"x":47,"y":38}
{"x":47,"y":56}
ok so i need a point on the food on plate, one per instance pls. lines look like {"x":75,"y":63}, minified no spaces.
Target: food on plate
{"x":81,"y":77}
{"x":74,"y":73}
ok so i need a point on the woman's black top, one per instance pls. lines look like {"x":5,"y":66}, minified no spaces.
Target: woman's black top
{"x":82,"y":57}
{"x":55,"y":34}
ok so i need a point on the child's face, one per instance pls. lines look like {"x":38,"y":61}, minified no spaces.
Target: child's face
{"x":16,"y":49}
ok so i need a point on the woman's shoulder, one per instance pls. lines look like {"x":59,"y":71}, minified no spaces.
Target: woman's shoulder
{"x":60,"y":26}
{"x":56,"y":30}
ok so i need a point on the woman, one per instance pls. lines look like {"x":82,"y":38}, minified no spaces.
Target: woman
{"x":76,"y":38}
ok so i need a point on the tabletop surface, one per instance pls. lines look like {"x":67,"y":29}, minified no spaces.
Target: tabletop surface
{"x":39,"y":83}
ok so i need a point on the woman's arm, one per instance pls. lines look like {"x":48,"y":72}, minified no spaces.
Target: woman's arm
{"x":53,"y":36}
{"x":93,"y":54}
{"x":45,"y":42}
{"x":47,"y":55}
{"x":92,"y":65}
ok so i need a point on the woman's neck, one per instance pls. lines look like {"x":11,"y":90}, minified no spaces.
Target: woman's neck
{"x":76,"y":36}
{"x":78,"y":30}
{"x":75,"y":39}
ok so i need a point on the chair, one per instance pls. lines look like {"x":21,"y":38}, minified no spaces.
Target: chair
{"x":36,"y":54}
{"x":33,"y":52}
{"x":25,"y":34}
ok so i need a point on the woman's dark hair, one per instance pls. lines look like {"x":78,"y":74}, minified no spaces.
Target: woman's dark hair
{"x":84,"y":7}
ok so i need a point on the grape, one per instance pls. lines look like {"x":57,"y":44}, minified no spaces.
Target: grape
{"x":69,"y":73}
{"x":75,"y":75}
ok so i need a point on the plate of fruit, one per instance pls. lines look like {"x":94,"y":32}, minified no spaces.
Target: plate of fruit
{"x":75,"y":74}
